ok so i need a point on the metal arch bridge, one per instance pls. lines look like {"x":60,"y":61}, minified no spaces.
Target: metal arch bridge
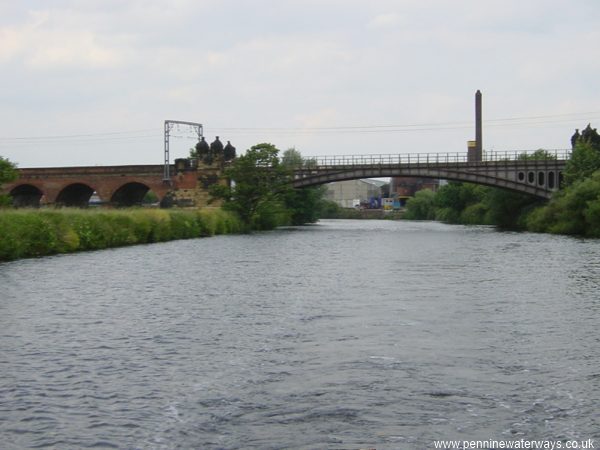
{"x":537,"y":173}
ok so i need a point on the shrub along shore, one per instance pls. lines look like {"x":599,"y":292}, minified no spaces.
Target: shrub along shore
{"x":32,"y":233}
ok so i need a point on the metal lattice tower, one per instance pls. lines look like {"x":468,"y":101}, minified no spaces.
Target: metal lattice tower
{"x":197,"y":127}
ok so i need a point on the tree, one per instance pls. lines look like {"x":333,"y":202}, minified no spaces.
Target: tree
{"x":8,"y":173}
{"x":259,"y":183}
{"x":292,"y":158}
{"x":508,"y":209}
{"x":539,"y":154}
{"x":591,"y":136}
{"x":585,"y":160}
{"x":305,"y":205}
{"x":421,"y":206}
{"x":260,"y":191}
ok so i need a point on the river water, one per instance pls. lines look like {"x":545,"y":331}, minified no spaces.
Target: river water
{"x":341,"y":335}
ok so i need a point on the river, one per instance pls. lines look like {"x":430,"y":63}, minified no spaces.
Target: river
{"x":341,"y":335}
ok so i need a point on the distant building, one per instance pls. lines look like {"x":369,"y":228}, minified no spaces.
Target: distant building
{"x":403,"y":188}
{"x":354,"y":193}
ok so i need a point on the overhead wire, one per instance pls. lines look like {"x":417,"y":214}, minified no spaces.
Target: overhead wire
{"x":151,"y":133}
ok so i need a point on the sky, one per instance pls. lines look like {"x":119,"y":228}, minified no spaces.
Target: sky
{"x":91,"y":82}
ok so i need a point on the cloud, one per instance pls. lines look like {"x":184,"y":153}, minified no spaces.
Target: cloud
{"x":42,"y":43}
{"x":72,"y":66}
{"x":388,"y":20}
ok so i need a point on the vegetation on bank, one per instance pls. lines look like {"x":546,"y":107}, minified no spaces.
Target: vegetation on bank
{"x":331,"y":210}
{"x":574,"y":210}
{"x":261,"y":194}
{"x":8,"y":173}
{"x":31,"y":233}
{"x":260,"y":198}
{"x":471,"y":204}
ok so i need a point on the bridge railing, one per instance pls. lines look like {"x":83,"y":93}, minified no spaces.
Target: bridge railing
{"x":433,"y":158}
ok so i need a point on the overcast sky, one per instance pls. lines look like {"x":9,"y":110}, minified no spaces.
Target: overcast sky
{"x":91,"y":82}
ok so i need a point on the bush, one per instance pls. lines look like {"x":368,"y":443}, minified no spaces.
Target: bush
{"x":574,"y":211}
{"x":30,"y":233}
{"x":474,"y":214}
{"x":448,"y":215}
{"x":421,"y":206}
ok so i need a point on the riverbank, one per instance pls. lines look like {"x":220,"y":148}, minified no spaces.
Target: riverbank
{"x":32,"y":233}
{"x":348,"y":213}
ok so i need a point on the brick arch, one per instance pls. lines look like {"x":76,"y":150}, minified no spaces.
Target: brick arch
{"x":105,"y":180}
{"x":130,"y":193}
{"x":76,"y":194}
{"x":26,"y":195}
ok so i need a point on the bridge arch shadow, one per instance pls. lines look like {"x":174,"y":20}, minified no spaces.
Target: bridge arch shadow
{"x":131,"y":194}
{"x":26,"y":196}
{"x":75,"y":195}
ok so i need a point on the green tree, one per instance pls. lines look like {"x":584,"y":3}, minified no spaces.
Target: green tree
{"x":574,"y":210}
{"x":421,"y":206}
{"x":585,"y":160}
{"x":256,"y":193}
{"x":292,"y":158}
{"x":537,"y":155}
{"x":452,"y":199}
{"x":508,"y":209}
{"x":305,"y":205}
{"x":8,"y":173}
{"x":260,"y":191}
{"x":150,"y":198}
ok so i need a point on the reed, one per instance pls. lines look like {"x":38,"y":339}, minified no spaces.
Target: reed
{"x":32,"y":233}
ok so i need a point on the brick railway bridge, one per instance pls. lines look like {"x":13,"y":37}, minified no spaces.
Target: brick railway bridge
{"x":534,"y":173}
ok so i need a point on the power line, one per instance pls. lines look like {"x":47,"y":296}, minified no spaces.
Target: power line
{"x":116,"y":136}
{"x":419,"y":126}
{"x":70,"y":136}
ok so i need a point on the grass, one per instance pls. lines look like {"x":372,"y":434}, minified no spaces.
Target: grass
{"x":32,"y":233}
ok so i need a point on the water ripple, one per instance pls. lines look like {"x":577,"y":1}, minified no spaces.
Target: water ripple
{"x":347,"y":334}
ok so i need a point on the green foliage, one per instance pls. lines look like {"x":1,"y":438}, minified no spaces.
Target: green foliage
{"x":474,"y":214}
{"x":585,"y":160}
{"x":508,"y":209}
{"x":421,"y":206}
{"x":8,"y":173}
{"x":292,"y":158}
{"x":574,"y":211}
{"x":448,"y":215}
{"x":538,"y":155}
{"x":260,"y":192}
{"x":592,"y":218}
{"x":452,"y":203}
{"x":459,"y":196}
{"x":329,"y":209}
{"x":472,"y":204}
{"x":305,"y":205}
{"x":150,"y":198}
{"x":259,"y":181}
{"x":5,"y":201}
{"x":45,"y":232}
